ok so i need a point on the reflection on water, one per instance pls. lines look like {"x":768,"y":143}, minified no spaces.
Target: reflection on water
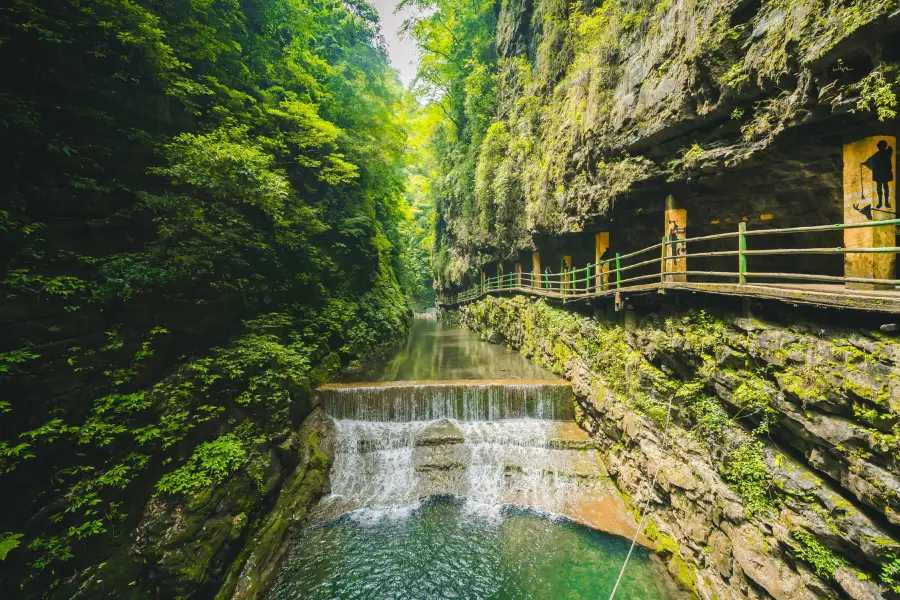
{"x":443,"y":549}
{"x":436,"y":351}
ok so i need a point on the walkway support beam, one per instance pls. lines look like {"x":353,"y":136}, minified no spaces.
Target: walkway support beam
{"x":870,"y":196}
{"x":675,"y":231}
{"x":601,"y":246}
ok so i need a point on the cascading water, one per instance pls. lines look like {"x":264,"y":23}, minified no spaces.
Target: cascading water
{"x":401,"y":401}
{"x":493,"y":443}
{"x":374,"y":463}
{"x":511,"y":462}
{"x":403,"y":449}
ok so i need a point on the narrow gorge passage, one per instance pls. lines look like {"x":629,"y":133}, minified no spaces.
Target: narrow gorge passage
{"x":427,"y":299}
{"x":464,"y":488}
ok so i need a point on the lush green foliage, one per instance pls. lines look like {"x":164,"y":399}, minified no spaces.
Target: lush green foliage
{"x":204,"y":212}
{"x":822,"y":560}
{"x":415,"y":272}
{"x":458,"y":73}
{"x":890,"y":572}
{"x":211,"y":463}
{"x":878,"y":91}
{"x":8,"y":541}
{"x":746,"y":471}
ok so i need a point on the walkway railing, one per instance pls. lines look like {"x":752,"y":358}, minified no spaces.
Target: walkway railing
{"x":661,"y":265}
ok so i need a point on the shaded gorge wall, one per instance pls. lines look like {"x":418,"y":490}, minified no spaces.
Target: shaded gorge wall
{"x":778,"y":477}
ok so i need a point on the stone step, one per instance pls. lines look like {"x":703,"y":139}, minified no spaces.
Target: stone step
{"x":562,"y":436}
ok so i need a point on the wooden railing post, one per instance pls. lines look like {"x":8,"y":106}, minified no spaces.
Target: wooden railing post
{"x":662,"y":261}
{"x":618,"y":271}
{"x":742,"y":257}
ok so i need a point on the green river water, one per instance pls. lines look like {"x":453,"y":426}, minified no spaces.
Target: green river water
{"x":442,"y":549}
{"x":471,"y":544}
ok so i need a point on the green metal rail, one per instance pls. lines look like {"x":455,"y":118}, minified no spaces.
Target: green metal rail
{"x":618,"y":274}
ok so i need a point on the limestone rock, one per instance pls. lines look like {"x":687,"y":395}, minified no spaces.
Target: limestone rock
{"x":855,"y":587}
{"x":720,"y":552}
{"x":835,"y":482}
{"x":753,"y":552}
{"x":260,"y":556}
{"x":440,"y":433}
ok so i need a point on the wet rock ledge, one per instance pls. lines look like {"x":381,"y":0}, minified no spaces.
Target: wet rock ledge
{"x":230,"y":533}
{"x":778,"y":477}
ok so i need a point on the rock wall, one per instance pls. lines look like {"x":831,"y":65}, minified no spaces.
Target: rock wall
{"x":600,"y":110}
{"x":777,"y":475}
{"x":230,"y":533}
{"x":311,"y":450}
{"x":223,"y":541}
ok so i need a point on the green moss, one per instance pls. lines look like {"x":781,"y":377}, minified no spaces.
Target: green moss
{"x":883,"y":542}
{"x":685,"y":574}
{"x":318,"y":459}
{"x":802,"y":383}
{"x":664,"y":543}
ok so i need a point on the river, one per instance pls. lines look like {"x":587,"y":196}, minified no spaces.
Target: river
{"x":460,"y":473}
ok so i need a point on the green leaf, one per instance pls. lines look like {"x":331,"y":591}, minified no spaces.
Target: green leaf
{"x":8,"y":542}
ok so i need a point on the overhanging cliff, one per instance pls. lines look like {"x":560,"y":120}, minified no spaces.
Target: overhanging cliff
{"x":576,"y":110}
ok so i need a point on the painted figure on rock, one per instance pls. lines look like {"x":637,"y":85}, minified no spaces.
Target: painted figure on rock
{"x":881,"y":166}
{"x":679,"y":249}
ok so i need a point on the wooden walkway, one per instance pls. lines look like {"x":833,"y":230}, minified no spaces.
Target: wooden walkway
{"x":812,"y":294}
{"x":662,"y":268}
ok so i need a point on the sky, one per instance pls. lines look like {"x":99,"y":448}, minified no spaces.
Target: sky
{"x":402,"y":51}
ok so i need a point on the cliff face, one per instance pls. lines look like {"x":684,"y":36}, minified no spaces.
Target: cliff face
{"x":600,"y":103}
{"x":777,"y":475}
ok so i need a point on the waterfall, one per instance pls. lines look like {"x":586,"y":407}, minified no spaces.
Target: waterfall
{"x":374,"y":462}
{"x":511,"y":462}
{"x":429,"y":423}
{"x":493,"y":443}
{"x":458,"y":400}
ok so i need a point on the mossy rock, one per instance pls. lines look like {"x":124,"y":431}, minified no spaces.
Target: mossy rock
{"x":250,"y":573}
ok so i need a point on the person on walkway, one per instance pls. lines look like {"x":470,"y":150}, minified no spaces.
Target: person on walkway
{"x":882,"y":167}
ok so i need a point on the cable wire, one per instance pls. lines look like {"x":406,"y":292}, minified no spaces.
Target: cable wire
{"x":646,"y":504}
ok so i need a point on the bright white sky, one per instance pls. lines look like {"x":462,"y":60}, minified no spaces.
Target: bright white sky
{"x":402,"y":50}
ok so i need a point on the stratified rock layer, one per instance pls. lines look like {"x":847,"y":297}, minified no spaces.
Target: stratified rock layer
{"x":805,"y":506}
{"x":189,"y":545}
